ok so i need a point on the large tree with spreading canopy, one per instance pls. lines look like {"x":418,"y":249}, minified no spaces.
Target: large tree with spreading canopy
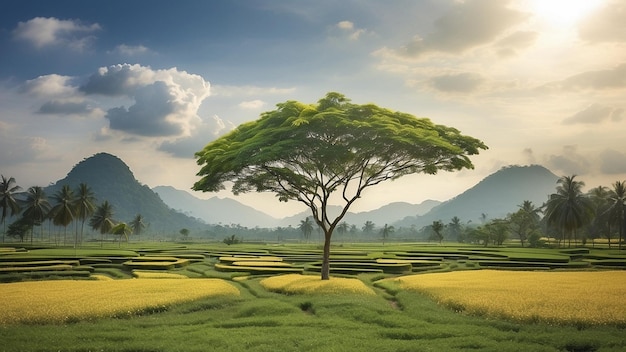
{"x":329,"y":153}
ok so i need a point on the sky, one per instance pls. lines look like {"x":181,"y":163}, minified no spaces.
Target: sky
{"x":152,"y":82}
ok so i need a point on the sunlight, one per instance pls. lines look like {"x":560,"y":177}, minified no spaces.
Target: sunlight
{"x":563,"y":12}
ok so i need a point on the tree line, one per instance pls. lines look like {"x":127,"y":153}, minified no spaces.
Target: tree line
{"x":66,"y":206}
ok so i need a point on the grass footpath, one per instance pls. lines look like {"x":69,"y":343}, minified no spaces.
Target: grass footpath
{"x":260,"y":320}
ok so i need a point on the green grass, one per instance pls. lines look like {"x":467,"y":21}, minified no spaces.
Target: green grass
{"x":391,"y":320}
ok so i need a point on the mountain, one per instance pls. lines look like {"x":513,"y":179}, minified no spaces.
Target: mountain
{"x":111,"y":179}
{"x":386,"y":214}
{"x":496,"y":196}
{"x":214,"y":210}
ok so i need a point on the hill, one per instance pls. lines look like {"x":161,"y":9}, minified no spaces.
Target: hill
{"x":496,"y":196}
{"x":111,"y":179}
{"x":214,"y":210}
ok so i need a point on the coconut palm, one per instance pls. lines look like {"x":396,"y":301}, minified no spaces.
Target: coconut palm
{"x":437,"y":227}
{"x":306,"y":226}
{"x":137,"y":225}
{"x":600,"y":223}
{"x":617,"y":208}
{"x":8,"y":203}
{"x":84,"y":207}
{"x":368,"y":228}
{"x":525,"y":221}
{"x":36,"y":207}
{"x":386,"y":231}
{"x":63,"y":210}
{"x":569,"y":209}
{"x":121,"y":229}
{"x":102,"y":219}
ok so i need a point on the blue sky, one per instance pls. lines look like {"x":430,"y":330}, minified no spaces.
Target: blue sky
{"x":540,"y":82}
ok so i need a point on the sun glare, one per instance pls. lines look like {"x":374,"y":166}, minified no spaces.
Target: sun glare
{"x":563,"y":12}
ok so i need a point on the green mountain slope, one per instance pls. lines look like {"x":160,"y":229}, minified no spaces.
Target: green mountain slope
{"x":111,"y":179}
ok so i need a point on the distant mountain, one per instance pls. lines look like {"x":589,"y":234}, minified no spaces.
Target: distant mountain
{"x":111,"y":179}
{"x":496,"y":196}
{"x":214,"y":210}
{"x":386,"y":214}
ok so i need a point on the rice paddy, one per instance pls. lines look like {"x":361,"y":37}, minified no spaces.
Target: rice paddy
{"x":589,"y":298}
{"x":308,"y":284}
{"x":49,"y":302}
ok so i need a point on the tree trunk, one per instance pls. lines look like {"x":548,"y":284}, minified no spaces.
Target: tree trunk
{"x":326,"y":257}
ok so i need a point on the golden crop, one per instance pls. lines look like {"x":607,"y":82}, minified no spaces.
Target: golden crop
{"x":67,"y":300}
{"x":556,"y":297}
{"x":140,"y":274}
{"x":295,"y":283}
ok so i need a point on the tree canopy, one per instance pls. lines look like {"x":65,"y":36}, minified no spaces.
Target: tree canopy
{"x":310,"y":152}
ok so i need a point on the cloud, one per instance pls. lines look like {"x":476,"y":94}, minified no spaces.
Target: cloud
{"x":606,"y":24}
{"x":130,"y":50}
{"x":44,"y":32}
{"x":469,"y":24}
{"x":613,"y":162}
{"x":186,"y":147}
{"x":166,"y":102}
{"x":511,"y":44}
{"x":50,"y":86}
{"x":252,"y":104}
{"x":613,"y":78}
{"x":457,"y":83}
{"x":349,"y":28}
{"x":569,"y":162}
{"x":594,"y":114}
{"x":65,"y":108}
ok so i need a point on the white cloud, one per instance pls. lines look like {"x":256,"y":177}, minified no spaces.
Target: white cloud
{"x":186,"y":147}
{"x":130,"y":50}
{"x":596,"y":113}
{"x":570,"y":161}
{"x":467,"y":25}
{"x":252,"y":104}
{"x":348,"y":28}
{"x":50,"y":86}
{"x":606,"y":24}
{"x":166,"y":102}
{"x":613,"y":162}
{"x":42,"y":32}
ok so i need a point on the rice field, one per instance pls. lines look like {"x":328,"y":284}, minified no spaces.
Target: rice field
{"x":42,"y":302}
{"x":309,"y":284}
{"x":578,"y":298}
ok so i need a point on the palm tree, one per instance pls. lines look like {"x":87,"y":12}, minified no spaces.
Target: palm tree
{"x":63,"y":211}
{"x":386,"y":231}
{"x":122,"y":229}
{"x":137,"y":225}
{"x":84,"y":207}
{"x":525,"y":221}
{"x":455,"y":229}
{"x":437,"y":227}
{"x":569,"y":209}
{"x":306,"y":227}
{"x":36,"y":206}
{"x":600,"y":224}
{"x":102,"y":219}
{"x":617,"y":208}
{"x":8,"y":203}
{"x":368,"y":228}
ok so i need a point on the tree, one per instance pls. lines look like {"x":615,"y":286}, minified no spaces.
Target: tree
{"x":63,"y":210}
{"x":437,"y":228}
{"x":102,"y":219}
{"x":121,"y":229}
{"x":329,"y":153}
{"x":600,"y":224}
{"x":306,"y":227}
{"x":84,"y":207}
{"x":455,"y":229}
{"x":617,"y":208}
{"x":368,"y":227}
{"x":525,"y":221}
{"x":137,"y":225}
{"x":386,"y":231}
{"x":36,"y":206}
{"x":569,"y":209}
{"x":8,"y":203}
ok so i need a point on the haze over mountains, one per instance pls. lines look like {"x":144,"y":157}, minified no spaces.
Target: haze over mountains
{"x":169,"y":209}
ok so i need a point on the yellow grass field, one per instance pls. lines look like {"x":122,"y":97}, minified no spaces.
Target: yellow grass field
{"x":68,"y":300}
{"x":308,"y":284}
{"x":558,"y":297}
